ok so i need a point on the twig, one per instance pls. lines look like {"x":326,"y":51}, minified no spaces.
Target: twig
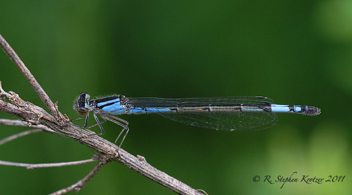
{"x":46,"y":165}
{"x":35,"y":116}
{"x":26,"y":110}
{"x":18,"y":135}
{"x":10,"y":122}
{"x":78,"y":186}
{"x":40,"y":91}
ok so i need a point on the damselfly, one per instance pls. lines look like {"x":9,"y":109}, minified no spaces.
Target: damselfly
{"x":245,"y":113}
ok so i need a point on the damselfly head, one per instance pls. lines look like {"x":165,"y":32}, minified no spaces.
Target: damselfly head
{"x":82,"y":104}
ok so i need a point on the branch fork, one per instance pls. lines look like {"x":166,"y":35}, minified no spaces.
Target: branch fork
{"x":36,"y":117}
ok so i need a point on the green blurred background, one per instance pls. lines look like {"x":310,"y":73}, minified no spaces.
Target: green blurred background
{"x":295,"y":52}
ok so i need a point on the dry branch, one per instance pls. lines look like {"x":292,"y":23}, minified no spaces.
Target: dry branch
{"x":35,"y":116}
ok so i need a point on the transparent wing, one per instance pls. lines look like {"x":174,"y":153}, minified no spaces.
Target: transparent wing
{"x":245,"y":121}
{"x":227,"y":122}
{"x":172,"y":102}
